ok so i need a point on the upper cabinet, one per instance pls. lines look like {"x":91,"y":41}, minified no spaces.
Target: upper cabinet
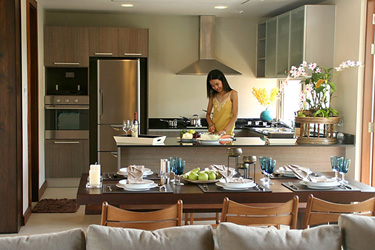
{"x":66,"y":46}
{"x":303,"y":34}
{"x":133,"y":42}
{"x":104,"y":41}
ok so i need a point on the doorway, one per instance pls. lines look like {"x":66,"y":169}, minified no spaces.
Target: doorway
{"x":33,"y":100}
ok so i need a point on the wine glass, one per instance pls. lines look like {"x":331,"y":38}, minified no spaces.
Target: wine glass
{"x":180,"y":167}
{"x":344,"y":167}
{"x":126,"y":126}
{"x":262,"y":161}
{"x":335,"y":163}
{"x":269,"y":168}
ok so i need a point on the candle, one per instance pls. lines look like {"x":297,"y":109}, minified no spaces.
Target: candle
{"x":94,"y":177}
{"x":95,"y":166}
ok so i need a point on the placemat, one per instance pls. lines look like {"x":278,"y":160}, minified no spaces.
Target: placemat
{"x":212,"y":188}
{"x":113,"y":189}
{"x":296,"y":187}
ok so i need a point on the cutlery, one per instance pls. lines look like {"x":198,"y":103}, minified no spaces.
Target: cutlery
{"x":259,"y":187}
{"x":109,"y":176}
{"x":292,"y":185}
{"x":205,"y":187}
{"x":161,"y":186}
{"x":110,"y":189}
{"x":345,"y":186}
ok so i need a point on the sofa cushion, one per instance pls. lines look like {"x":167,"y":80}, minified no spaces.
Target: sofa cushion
{"x":185,"y":237}
{"x":358,"y":231}
{"x":231,"y":236}
{"x":66,"y":240}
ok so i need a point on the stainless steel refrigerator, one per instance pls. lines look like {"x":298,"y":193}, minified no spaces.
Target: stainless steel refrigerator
{"x":118,"y":99}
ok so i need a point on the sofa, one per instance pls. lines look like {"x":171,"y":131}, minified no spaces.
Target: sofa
{"x":352,"y":232}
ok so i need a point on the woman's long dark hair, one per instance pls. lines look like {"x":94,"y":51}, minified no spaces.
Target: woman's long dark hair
{"x":216,"y":74}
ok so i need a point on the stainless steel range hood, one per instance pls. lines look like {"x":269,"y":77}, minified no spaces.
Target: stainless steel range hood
{"x":207,"y":61}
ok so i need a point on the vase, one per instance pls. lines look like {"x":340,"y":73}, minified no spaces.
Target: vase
{"x":266,"y":116}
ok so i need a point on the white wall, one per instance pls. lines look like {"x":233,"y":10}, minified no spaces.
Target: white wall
{"x":173,"y":45}
{"x":349,"y":45}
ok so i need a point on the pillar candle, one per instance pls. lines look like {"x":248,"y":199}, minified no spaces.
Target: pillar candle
{"x":94,"y":177}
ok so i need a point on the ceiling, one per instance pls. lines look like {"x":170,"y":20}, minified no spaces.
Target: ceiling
{"x":236,"y":8}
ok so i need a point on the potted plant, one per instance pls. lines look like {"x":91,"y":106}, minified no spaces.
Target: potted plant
{"x":266,"y":99}
{"x":316,"y":115}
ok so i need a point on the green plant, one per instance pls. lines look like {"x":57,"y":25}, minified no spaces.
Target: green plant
{"x":318,"y":88}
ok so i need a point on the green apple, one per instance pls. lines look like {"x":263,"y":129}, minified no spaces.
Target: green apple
{"x":193,"y":176}
{"x":212,"y":176}
{"x":202,"y":176}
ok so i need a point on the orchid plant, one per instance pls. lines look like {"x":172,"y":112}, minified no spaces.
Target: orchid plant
{"x":318,"y":88}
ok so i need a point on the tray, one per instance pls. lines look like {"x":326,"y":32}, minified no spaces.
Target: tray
{"x":141,"y":139}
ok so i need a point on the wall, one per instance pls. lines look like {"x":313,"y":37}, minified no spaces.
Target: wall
{"x":173,"y":45}
{"x":349,"y":45}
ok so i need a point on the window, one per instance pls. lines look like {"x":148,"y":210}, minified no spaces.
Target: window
{"x":290,"y":101}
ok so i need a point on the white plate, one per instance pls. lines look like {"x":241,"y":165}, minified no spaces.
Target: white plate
{"x":143,"y":184}
{"x":136,"y":189}
{"x":321,"y":185}
{"x":209,"y":142}
{"x":245,"y":184}
{"x":232,"y":188}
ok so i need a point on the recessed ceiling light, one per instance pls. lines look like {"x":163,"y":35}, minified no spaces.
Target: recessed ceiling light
{"x":127,"y":5}
{"x":221,"y":7}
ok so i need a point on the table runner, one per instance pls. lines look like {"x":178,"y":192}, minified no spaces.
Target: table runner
{"x":212,"y":188}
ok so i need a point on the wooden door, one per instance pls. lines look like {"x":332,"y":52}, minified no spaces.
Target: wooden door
{"x":66,"y":46}
{"x":133,"y":42}
{"x":103,"y":41}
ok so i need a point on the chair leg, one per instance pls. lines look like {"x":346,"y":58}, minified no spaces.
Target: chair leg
{"x":191,"y":218}
{"x":186,"y":218}
{"x":217,"y":218}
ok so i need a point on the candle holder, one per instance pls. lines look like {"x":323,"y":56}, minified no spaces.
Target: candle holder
{"x":247,"y":162}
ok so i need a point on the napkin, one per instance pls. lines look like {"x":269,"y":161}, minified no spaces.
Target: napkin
{"x":300,"y":172}
{"x":135,"y":174}
{"x":227,"y":173}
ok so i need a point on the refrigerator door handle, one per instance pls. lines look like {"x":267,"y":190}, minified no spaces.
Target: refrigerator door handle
{"x":114,"y":154}
{"x":117,"y":127}
{"x":101,"y":104}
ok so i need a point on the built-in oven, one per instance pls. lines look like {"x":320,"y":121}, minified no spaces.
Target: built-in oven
{"x":67,"y":117}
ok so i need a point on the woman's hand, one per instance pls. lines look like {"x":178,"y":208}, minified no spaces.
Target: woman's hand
{"x":211,"y":128}
{"x":222,"y":132}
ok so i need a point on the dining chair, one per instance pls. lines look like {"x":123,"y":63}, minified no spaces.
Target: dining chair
{"x":320,"y":211}
{"x":166,"y":217}
{"x":275,"y":215}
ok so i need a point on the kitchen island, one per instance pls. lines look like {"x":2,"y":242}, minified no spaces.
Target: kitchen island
{"x":315,"y":157}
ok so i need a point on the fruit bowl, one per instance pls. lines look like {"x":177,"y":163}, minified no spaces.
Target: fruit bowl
{"x":201,"y":181}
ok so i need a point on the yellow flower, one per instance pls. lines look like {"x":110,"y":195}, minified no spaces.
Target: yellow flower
{"x":265,"y":98}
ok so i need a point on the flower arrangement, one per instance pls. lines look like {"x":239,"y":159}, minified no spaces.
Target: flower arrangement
{"x":318,"y":88}
{"x":264,"y":98}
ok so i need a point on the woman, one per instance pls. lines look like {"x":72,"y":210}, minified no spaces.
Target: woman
{"x":224,"y":102}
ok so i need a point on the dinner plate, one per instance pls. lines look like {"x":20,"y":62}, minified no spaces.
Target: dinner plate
{"x":136,"y":189}
{"x":247,"y":183}
{"x":321,"y":185}
{"x":141,"y":185}
{"x":233,"y":188}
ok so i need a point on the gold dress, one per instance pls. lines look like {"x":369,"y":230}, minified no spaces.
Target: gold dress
{"x":222,"y":114}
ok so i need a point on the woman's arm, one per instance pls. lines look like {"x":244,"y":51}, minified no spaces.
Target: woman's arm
{"x":234,"y":99}
{"x":211,"y":125}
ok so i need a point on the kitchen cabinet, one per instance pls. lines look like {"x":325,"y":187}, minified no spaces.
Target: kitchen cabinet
{"x":104,"y":41}
{"x":133,"y":42}
{"x":302,"y":34}
{"x":66,"y":46}
{"x":66,"y":158}
{"x":261,"y":50}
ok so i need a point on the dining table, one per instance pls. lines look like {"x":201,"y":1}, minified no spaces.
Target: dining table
{"x":208,"y":197}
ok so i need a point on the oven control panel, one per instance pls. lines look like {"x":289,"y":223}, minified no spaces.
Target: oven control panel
{"x":66,"y":100}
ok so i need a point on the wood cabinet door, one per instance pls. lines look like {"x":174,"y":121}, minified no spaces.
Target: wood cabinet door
{"x":103,"y":41}
{"x":66,"y":158}
{"x":133,"y":42}
{"x":66,"y":46}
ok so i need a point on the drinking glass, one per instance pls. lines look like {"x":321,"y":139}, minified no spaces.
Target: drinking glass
{"x":180,"y":167}
{"x":344,"y":167}
{"x":336,"y":161}
{"x":126,"y":126}
{"x":269,"y":168}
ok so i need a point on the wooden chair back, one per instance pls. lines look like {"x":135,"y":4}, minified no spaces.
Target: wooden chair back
{"x":284,"y":214}
{"x":166,"y":217}
{"x":319,"y":211}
